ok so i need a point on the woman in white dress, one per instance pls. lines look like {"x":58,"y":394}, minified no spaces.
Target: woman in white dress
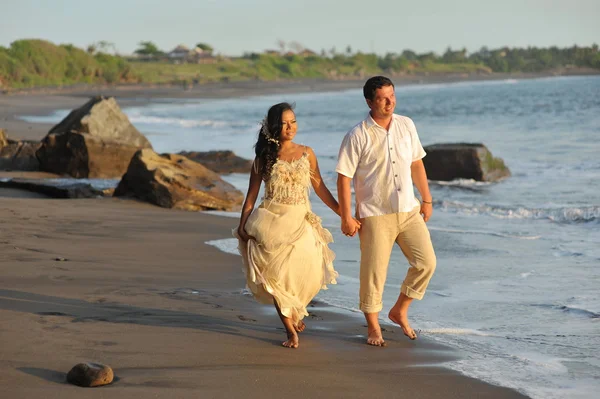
{"x":283,"y":244}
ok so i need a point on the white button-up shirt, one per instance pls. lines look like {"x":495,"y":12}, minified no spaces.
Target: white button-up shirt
{"x":379,"y":163}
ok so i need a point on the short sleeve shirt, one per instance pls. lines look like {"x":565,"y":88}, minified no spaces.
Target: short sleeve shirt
{"x":378,"y":161}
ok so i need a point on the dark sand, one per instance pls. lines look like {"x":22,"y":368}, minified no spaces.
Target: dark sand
{"x":142,"y":292}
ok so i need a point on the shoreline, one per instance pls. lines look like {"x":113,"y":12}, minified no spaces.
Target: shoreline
{"x":178,"y":328}
{"x":119,"y":293}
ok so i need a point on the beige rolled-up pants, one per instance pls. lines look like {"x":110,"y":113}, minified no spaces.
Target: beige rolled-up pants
{"x":377,"y":237}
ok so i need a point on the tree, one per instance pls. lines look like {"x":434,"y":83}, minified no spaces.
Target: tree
{"x":205,"y":47}
{"x":101,"y":47}
{"x":409,"y":55}
{"x":148,"y":48}
{"x":296,"y":47}
{"x":281,"y":45}
{"x":348,"y":50}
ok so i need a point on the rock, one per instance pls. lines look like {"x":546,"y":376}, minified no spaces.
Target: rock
{"x":90,"y":375}
{"x":463,"y":161}
{"x":174,"y":181}
{"x":19,"y":155}
{"x":53,"y":189}
{"x":3,"y":139}
{"x":94,"y":141}
{"x":222,"y":162}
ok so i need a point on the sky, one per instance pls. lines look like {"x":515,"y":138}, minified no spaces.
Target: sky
{"x":234,"y":27}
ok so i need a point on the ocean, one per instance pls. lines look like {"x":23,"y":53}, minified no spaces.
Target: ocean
{"x":517,"y":287}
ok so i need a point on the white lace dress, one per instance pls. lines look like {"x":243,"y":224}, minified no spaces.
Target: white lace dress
{"x":290,"y":260}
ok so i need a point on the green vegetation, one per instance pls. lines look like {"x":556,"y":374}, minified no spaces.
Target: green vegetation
{"x":37,"y":63}
{"x":34,"y":63}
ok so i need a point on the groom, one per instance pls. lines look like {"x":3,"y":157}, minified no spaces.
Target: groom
{"x":382,"y":155}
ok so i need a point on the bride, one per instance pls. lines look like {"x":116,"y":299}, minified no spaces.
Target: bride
{"x":283,"y":245}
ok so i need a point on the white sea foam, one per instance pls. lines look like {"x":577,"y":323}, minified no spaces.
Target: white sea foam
{"x":227,"y":245}
{"x":235,"y":215}
{"x":558,"y":215}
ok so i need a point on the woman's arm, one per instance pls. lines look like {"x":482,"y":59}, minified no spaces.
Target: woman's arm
{"x":319,"y":185}
{"x":253,"y":190}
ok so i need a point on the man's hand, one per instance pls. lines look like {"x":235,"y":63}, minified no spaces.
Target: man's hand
{"x":350,"y":227}
{"x":426,"y":211}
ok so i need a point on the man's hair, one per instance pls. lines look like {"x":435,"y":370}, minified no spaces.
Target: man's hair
{"x":374,"y":83}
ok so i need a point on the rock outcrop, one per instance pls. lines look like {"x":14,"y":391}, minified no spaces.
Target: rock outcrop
{"x":222,"y":162}
{"x":174,"y":181}
{"x":52,"y":188}
{"x":93,"y":141}
{"x":452,"y":161}
{"x":18,"y":155}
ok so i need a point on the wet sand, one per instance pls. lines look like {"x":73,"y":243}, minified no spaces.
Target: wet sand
{"x":140,"y":290}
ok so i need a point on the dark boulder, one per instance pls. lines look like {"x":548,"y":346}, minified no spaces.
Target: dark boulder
{"x":452,"y":161}
{"x":93,"y":141}
{"x":18,"y":155}
{"x":174,"y":181}
{"x":222,"y":162}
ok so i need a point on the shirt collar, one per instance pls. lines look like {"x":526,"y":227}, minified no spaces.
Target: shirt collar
{"x":370,"y":122}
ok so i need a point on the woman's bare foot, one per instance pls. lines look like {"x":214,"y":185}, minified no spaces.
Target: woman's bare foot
{"x":375,"y":338}
{"x":300,"y":326}
{"x":292,"y":341}
{"x":402,"y":320}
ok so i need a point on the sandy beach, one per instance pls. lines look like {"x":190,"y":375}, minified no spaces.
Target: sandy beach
{"x":136,"y":287}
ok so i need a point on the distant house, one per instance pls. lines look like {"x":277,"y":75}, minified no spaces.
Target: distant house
{"x":272,"y":52}
{"x":182,"y":54}
{"x":179,"y":53}
{"x":307,"y":53}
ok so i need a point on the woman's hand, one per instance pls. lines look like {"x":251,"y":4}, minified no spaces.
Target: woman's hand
{"x":350,"y":227}
{"x":243,"y":235}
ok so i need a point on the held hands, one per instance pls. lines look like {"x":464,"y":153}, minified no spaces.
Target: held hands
{"x":350,"y":226}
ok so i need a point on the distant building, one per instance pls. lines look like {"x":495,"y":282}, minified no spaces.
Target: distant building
{"x":307,"y":53}
{"x":182,"y":54}
{"x":179,"y":53}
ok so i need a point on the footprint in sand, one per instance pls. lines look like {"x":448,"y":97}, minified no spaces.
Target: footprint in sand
{"x":244,"y":318}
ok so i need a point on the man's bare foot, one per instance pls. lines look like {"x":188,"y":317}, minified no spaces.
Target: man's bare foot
{"x":375,"y":338}
{"x":292,"y":341}
{"x":402,"y":320}
{"x":300,"y":326}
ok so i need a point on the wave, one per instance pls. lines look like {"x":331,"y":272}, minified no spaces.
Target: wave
{"x":435,"y":86}
{"x":182,"y":122}
{"x":491,"y":233}
{"x":583,"y":214}
{"x":454,"y":331}
{"x":575,"y":309}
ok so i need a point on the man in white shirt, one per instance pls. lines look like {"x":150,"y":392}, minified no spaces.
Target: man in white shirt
{"x":382,"y":155}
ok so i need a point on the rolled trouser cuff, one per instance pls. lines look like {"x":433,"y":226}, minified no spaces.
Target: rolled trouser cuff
{"x":370,"y":308}
{"x":409,"y":292}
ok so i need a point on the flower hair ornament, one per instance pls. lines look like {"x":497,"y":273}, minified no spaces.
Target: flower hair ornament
{"x":264,"y":130}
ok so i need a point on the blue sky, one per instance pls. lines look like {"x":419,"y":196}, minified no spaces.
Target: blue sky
{"x":233,"y":27}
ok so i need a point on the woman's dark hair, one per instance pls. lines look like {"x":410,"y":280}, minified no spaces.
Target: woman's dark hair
{"x":374,"y":83}
{"x":267,"y":145}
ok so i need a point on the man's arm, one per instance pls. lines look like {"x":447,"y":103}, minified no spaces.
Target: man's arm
{"x":419,"y":177}
{"x":349,"y":225}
